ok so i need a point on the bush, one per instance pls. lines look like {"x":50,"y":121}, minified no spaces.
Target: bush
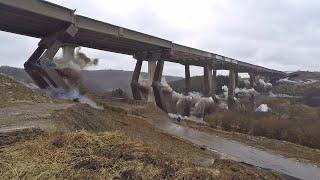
{"x":294,"y":123}
{"x":116,"y":93}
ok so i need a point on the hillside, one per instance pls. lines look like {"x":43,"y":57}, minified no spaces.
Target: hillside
{"x":96,"y":80}
{"x":305,"y":75}
{"x":41,"y":138}
{"x":305,"y":84}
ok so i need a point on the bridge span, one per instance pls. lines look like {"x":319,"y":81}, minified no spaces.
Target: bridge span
{"x":59,"y":27}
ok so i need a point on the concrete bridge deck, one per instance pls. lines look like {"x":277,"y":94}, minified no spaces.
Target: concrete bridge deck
{"x":40,"y":19}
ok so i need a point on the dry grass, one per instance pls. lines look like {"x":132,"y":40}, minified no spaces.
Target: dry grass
{"x":9,"y":138}
{"x":83,"y":155}
{"x":107,"y":155}
{"x":289,"y":121}
{"x":13,"y":92}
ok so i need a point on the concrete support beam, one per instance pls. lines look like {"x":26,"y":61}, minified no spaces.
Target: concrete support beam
{"x":252,"y":97}
{"x":252,"y":78}
{"x":135,"y":87}
{"x":214,"y":82}
{"x":151,"y":71}
{"x":156,"y":85}
{"x":187,"y":82}
{"x":236,"y":74}
{"x":68,"y":52}
{"x":34,"y":71}
{"x":231,"y":88}
{"x":39,"y":65}
{"x":252,"y":102}
{"x":207,"y":91}
{"x":52,"y":75}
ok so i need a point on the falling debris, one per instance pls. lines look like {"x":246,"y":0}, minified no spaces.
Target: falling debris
{"x":225,"y":90}
{"x":245,"y":91}
{"x":71,"y":70}
{"x":300,"y":82}
{"x":264,"y":84}
{"x":262,"y":108}
{"x":72,"y":94}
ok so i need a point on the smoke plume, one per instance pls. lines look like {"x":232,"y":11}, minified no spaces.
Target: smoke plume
{"x":71,"y":70}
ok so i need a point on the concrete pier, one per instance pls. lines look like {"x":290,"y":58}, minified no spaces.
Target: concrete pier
{"x":187,"y":82}
{"x":252,"y":78}
{"x":68,"y":52}
{"x":156,"y":85}
{"x":135,"y":87}
{"x":231,"y":88}
{"x":252,"y":97}
{"x":207,"y":77}
{"x":151,"y":70}
{"x":236,"y":74}
{"x":214,"y":82}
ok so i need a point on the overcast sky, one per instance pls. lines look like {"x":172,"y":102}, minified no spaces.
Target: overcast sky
{"x":279,"y":34}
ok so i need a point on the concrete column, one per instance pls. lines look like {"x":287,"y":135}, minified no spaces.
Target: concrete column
{"x":236,"y":79}
{"x":252,"y":77}
{"x":135,"y":87}
{"x":252,"y":102}
{"x":156,"y":85}
{"x":252,"y":97}
{"x":207,"y":81}
{"x":231,"y":87}
{"x":68,"y":52}
{"x":187,"y":82}
{"x":151,"y":69}
{"x":50,"y":74}
{"x":214,"y":82}
{"x":33,"y":70}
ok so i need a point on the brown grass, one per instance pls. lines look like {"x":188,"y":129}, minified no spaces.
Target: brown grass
{"x":13,"y":137}
{"x":82,"y":155}
{"x":289,"y":121}
{"x":107,"y":155}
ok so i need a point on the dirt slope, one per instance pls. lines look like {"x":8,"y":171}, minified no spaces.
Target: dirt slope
{"x":112,"y":143}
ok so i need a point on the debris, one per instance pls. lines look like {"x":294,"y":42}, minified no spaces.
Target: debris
{"x":263,"y":108}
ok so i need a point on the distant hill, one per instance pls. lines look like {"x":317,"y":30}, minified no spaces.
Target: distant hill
{"x":305,"y":75}
{"x":17,"y":73}
{"x":96,"y":81}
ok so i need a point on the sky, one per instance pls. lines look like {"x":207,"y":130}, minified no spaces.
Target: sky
{"x":278,"y":34}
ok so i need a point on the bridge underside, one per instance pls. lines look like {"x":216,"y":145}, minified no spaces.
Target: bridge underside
{"x":57,"y":26}
{"x":41,"y":19}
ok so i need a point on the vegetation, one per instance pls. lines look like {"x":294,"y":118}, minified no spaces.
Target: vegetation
{"x":289,"y":121}
{"x":107,"y":155}
{"x":313,"y":98}
{"x":116,"y":93}
{"x":116,"y":109}
{"x":197,"y":84}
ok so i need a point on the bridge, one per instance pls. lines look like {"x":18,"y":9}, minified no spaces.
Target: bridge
{"x":59,"y":27}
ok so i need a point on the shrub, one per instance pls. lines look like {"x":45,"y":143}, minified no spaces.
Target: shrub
{"x":116,"y":93}
{"x":293,"y":123}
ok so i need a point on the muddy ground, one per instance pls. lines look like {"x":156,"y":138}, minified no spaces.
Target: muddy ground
{"x":284,"y":148}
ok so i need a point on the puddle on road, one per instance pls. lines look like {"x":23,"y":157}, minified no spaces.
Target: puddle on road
{"x":241,"y":152}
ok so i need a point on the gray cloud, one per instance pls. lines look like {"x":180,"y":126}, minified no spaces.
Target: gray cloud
{"x":283,"y":34}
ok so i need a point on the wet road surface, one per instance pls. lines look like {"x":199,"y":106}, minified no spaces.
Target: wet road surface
{"x":237,"y":151}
